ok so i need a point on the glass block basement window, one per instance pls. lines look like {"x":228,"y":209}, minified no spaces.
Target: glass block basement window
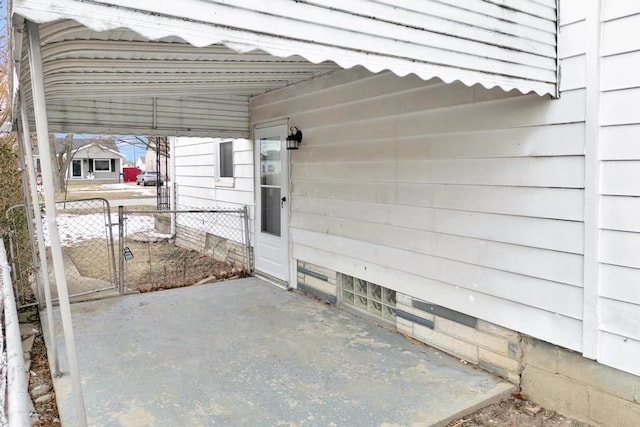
{"x":368,"y":297}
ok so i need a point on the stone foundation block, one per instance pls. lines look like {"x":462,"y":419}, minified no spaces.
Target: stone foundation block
{"x":456,"y":347}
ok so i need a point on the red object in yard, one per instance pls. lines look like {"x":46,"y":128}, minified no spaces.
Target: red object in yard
{"x":129,"y":174}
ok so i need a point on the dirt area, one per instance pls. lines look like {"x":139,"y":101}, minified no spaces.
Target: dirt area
{"x":40,"y":385}
{"x":515,"y":412}
{"x":156,"y":265}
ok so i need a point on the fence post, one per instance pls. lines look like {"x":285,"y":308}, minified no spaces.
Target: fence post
{"x":121,"y":249}
{"x":12,"y":255}
{"x":109,"y":227}
{"x":247,"y":243}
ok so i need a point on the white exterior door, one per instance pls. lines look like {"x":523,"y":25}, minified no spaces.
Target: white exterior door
{"x":271,"y":248}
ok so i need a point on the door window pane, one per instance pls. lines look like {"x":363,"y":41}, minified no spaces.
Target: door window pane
{"x":270,"y":162}
{"x":270,"y":210}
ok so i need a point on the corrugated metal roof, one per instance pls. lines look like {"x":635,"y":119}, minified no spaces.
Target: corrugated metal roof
{"x":154,"y":57}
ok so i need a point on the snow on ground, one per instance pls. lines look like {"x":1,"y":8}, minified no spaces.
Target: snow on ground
{"x":79,"y":228}
{"x":113,"y":187}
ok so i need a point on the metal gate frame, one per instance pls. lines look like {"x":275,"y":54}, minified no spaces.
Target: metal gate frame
{"x":110,"y":243}
{"x":37,"y":262}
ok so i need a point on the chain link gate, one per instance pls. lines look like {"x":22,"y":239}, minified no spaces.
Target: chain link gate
{"x":162,"y":249}
{"x":87,"y":244}
{"x":86,"y":236}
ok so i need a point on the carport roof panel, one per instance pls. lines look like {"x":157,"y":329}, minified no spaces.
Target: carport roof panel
{"x":511,"y":45}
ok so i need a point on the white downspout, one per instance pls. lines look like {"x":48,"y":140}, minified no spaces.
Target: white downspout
{"x":173,"y":190}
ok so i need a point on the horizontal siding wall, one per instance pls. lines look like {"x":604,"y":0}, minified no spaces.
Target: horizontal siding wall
{"x":619,"y":302}
{"x":196,"y":186}
{"x":464,"y":197}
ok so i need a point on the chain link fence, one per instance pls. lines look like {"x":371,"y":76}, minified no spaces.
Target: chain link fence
{"x":156,"y":249}
{"x":20,"y":254}
{"x":173,"y":248}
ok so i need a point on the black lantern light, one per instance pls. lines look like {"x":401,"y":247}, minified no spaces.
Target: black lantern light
{"x":294,"y":139}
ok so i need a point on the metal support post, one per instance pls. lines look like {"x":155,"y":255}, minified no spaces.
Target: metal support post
{"x":121,"y":249}
{"x":42,"y":251}
{"x":42,"y":130}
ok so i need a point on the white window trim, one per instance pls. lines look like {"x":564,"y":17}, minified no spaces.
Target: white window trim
{"x":221,"y":181}
{"x":101,"y":171}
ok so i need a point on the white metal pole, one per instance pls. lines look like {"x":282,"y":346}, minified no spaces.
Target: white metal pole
{"x":17,"y":395}
{"x":35,"y":202}
{"x":42,"y":130}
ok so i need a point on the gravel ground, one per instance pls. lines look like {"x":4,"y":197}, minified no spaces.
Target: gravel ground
{"x":40,"y":385}
{"x":515,"y":412}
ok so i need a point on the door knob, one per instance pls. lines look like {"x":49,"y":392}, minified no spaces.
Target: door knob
{"x":284,"y":199}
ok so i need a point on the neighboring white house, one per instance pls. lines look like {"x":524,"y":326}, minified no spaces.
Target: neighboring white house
{"x":93,"y":159}
{"x":141,"y":163}
{"x":99,"y":160}
{"x":474,"y":201}
{"x":151,"y":162}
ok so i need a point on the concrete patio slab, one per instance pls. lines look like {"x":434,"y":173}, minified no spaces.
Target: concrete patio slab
{"x":246,"y":353}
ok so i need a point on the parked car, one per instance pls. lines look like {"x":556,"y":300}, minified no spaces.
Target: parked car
{"x":148,"y":178}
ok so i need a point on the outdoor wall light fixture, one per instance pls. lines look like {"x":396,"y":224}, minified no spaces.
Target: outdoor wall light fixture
{"x":294,"y":139}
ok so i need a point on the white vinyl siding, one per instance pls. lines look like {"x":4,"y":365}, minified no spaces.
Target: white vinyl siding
{"x":619,"y":297}
{"x":465,"y":197}
{"x":195,"y":172}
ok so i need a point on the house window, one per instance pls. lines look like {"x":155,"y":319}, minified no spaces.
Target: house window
{"x":369,"y":298}
{"x":226,"y":159}
{"x":102,"y":165}
{"x":224,"y":171}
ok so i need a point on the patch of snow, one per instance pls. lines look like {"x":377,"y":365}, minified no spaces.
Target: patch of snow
{"x":79,"y":228}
